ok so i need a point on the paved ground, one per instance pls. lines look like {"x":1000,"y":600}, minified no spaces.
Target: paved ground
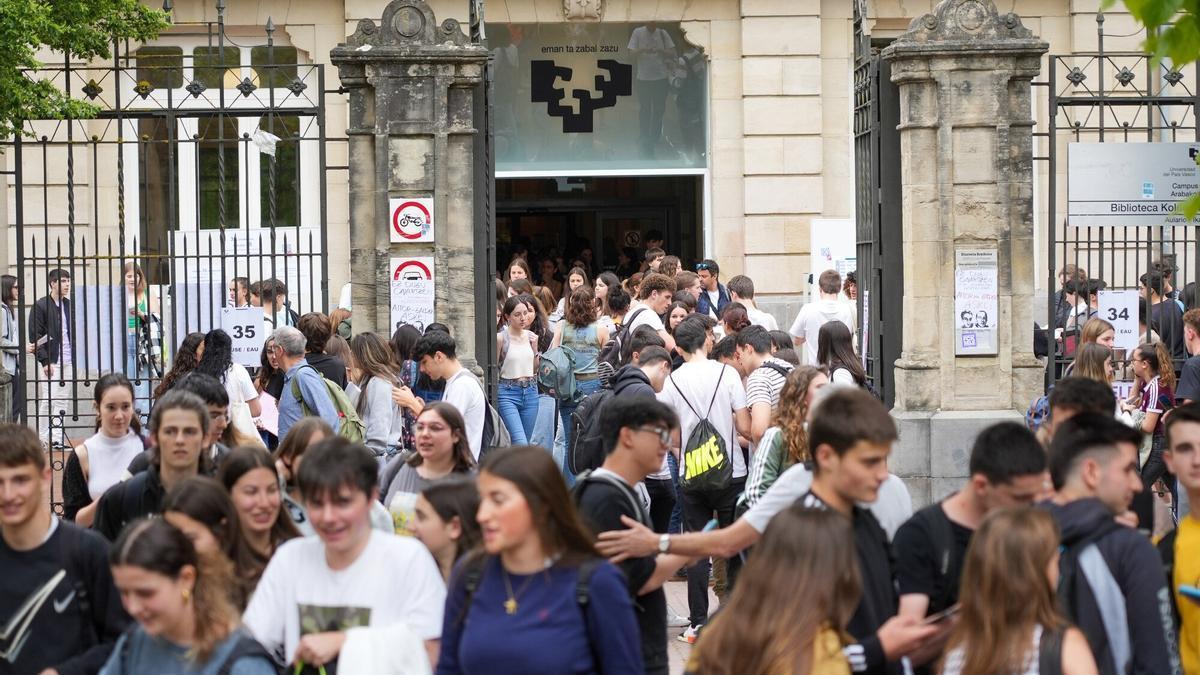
{"x":677,"y":604}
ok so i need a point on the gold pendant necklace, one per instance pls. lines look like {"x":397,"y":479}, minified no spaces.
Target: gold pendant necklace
{"x":510,"y":605}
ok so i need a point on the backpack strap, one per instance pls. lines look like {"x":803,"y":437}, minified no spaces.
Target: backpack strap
{"x":776,"y":367}
{"x":246,"y":647}
{"x":68,"y":547}
{"x":716,"y":389}
{"x":583,"y":597}
{"x":590,"y":476}
{"x":1111,"y":602}
{"x":675,"y":384}
{"x":472,"y":575}
{"x":1050,"y":652}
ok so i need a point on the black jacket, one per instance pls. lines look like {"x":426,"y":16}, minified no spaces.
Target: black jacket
{"x":331,"y":367}
{"x":45,"y":321}
{"x":127,"y":501}
{"x":631,"y":381}
{"x":1137,"y":569}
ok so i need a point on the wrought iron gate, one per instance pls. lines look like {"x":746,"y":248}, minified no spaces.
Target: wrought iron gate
{"x":205,"y":168}
{"x":1114,"y":97}
{"x":877,"y":210}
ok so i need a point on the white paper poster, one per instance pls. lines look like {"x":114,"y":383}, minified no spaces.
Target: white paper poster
{"x":411,"y":219}
{"x":834,"y":246}
{"x":412,"y":292}
{"x":245,"y":327}
{"x":866,"y":324}
{"x":1120,"y":308}
{"x":976,"y":302}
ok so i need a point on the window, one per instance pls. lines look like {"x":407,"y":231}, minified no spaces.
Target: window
{"x":273,"y":66}
{"x":287,"y":172}
{"x":217,"y":138}
{"x":215,"y":67}
{"x":160,"y":67}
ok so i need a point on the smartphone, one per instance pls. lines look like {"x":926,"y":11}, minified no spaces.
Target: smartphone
{"x":1190,"y":592}
{"x":943,"y":615}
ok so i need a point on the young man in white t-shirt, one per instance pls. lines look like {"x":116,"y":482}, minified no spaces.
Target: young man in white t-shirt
{"x":436,"y":352}
{"x":813,"y":315}
{"x":703,"y":389}
{"x":741,"y":289}
{"x":320,"y":594}
{"x":654,"y":296}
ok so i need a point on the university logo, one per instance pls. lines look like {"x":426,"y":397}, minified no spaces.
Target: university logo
{"x":545,"y":74}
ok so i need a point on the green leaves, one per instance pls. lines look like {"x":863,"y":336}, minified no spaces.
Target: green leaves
{"x":75,"y":29}
{"x":1172,"y":28}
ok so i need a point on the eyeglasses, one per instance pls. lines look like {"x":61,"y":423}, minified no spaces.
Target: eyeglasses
{"x":664,"y":435}
{"x":703,"y":266}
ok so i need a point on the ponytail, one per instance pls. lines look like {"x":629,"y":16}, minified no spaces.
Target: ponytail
{"x":159,"y":547}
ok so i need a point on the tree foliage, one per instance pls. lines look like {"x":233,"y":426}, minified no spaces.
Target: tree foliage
{"x":76,"y":29}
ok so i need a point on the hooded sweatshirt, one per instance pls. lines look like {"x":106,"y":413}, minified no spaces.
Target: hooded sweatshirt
{"x":816,"y":314}
{"x":631,"y":381}
{"x":1137,"y":569}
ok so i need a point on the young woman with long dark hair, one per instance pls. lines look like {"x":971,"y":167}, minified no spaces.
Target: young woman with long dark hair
{"x":10,"y":337}
{"x":441,"y":449}
{"x":537,"y":557}
{"x":1010,"y":616}
{"x":216,"y":360}
{"x":180,"y":599}
{"x":250,"y":476}
{"x":373,"y":373}
{"x":100,"y":462}
{"x":445,"y":520}
{"x":605,"y":281}
{"x":767,"y":630}
{"x":517,"y":350}
{"x":576,"y":278}
{"x":184,"y":362}
{"x":201,"y":508}
{"x":835,"y":353}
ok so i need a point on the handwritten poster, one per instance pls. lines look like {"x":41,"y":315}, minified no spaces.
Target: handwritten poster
{"x":412,"y":292}
{"x":976,"y":302}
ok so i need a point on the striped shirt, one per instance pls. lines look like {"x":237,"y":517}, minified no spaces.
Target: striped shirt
{"x":765,"y":383}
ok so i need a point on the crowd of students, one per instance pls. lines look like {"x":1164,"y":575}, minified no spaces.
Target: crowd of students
{"x":374,"y":513}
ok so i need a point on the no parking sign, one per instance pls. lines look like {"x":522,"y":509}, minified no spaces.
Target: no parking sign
{"x":411,"y":219}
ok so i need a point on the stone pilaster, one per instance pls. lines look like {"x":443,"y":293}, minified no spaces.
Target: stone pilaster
{"x":964,"y":73}
{"x":413,"y":85}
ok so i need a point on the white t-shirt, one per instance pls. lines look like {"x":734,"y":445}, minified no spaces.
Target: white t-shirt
{"x":393,"y":580}
{"x":714,"y":299}
{"x":651,"y":66}
{"x":892,"y":506}
{"x":814,"y":315}
{"x":760,"y":318}
{"x":646,"y":318}
{"x":697,"y":380}
{"x":464,"y":392}
{"x":238,"y":384}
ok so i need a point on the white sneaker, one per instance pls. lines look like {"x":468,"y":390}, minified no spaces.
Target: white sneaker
{"x":689,"y":636}
{"x":676,"y":621}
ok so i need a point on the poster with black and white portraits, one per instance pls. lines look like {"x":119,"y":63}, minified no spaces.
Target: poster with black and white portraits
{"x":976,"y":302}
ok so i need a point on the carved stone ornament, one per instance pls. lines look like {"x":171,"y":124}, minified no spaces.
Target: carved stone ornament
{"x":965,"y":21}
{"x":582,"y":10}
{"x":407,"y":22}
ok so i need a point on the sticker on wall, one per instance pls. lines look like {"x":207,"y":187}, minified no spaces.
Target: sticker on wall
{"x":412,"y":219}
{"x":412,"y":292}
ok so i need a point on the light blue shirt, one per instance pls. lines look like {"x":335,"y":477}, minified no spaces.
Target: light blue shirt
{"x":312,"y":388}
{"x":137,"y":652}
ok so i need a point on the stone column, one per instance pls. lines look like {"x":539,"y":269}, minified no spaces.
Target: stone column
{"x":412,"y":130}
{"x":966,"y":126}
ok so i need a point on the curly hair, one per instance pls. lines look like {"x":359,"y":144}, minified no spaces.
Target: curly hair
{"x":581,"y":307}
{"x":185,"y":362}
{"x":218,"y":355}
{"x":792,"y":411}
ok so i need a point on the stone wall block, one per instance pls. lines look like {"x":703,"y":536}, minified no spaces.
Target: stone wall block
{"x":918,"y":156}
{"x":411,"y":163}
{"x":979,"y":213}
{"x":974,"y":155}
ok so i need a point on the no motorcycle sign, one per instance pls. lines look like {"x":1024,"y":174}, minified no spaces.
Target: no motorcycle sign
{"x":411,"y":219}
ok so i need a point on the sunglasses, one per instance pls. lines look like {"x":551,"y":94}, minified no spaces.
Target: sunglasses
{"x":703,"y":266}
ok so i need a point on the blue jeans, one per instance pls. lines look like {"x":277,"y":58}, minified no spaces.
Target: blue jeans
{"x":134,"y":370}
{"x":585,"y":388}
{"x":676,"y":525}
{"x":547,"y":421}
{"x":518,"y":407}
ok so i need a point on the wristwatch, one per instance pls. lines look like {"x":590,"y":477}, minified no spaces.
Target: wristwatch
{"x":664,"y":543}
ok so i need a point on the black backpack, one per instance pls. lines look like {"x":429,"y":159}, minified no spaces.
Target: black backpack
{"x":611,"y":352}
{"x":705,"y":464}
{"x":586,"y":449}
